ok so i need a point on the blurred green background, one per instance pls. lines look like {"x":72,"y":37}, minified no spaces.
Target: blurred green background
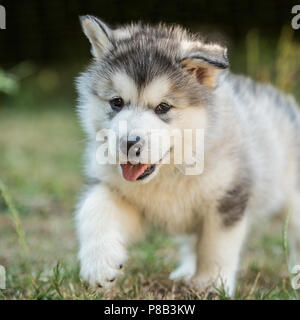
{"x":41,"y":145}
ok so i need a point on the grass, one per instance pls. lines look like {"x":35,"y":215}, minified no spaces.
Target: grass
{"x":40,"y":179}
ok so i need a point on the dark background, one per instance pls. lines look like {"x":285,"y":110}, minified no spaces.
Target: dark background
{"x":43,"y":48}
{"x":49,"y":31}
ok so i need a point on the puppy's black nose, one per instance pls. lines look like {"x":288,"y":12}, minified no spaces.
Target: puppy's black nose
{"x":132,"y":145}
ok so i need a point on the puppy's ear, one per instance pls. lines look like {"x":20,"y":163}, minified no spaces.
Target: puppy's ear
{"x":205,"y":61}
{"x":98,"y":33}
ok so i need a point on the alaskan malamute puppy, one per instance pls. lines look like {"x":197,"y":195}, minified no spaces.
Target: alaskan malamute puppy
{"x":165,"y":78}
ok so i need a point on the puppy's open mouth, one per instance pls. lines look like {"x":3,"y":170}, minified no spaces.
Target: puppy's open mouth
{"x":140,"y":171}
{"x":133,"y":172}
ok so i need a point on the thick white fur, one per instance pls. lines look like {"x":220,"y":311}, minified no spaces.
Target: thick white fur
{"x":104,"y":237}
{"x":113,"y":213}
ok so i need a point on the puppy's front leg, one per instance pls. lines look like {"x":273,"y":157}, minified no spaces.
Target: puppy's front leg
{"x":105,"y":225}
{"x":218,"y":253}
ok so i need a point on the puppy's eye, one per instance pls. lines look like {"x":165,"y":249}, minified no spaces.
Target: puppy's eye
{"x":116,"y":103}
{"x":162,"y":108}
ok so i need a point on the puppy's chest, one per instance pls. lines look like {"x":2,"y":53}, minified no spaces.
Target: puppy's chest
{"x":176,"y":206}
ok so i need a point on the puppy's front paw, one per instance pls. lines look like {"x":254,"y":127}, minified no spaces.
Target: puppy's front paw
{"x":102,"y":263}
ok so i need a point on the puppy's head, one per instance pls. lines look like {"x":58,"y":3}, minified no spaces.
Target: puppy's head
{"x":144,"y":83}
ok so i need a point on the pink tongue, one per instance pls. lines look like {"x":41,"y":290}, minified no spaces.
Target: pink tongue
{"x":132,"y":172}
